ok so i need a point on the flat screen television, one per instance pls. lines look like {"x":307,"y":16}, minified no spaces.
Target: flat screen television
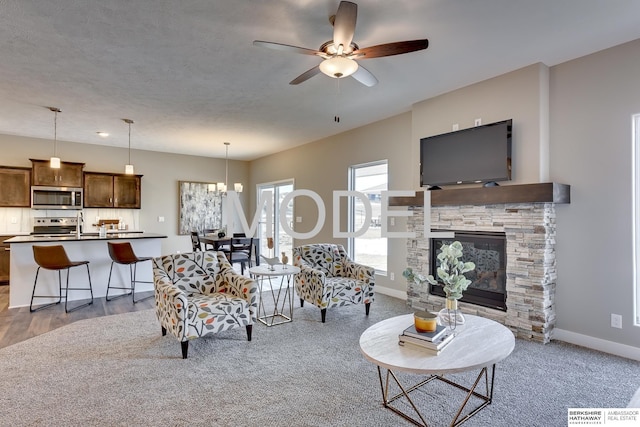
{"x":479,"y":154}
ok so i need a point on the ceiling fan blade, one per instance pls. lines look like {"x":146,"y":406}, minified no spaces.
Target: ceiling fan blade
{"x":364,"y":76}
{"x":390,"y":49}
{"x":305,"y":76}
{"x":344,"y":24}
{"x":287,"y":48}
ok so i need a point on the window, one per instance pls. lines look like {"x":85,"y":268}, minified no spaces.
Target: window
{"x":636,"y":216}
{"x":282,"y":242}
{"x":370,"y":248}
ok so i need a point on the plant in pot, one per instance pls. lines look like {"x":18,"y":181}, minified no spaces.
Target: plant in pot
{"x":451,"y":271}
{"x":424,"y":321}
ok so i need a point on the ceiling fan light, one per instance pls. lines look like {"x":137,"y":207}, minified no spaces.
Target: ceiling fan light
{"x":338,"y":67}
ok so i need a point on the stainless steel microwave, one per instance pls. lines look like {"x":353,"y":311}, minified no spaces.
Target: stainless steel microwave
{"x":56,"y":197}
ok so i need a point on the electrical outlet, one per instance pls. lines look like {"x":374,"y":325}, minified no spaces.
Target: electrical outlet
{"x":14,"y":220}
{"x":298,"y":219}
{"x":477,"y":122}
{"x":392,"y":220}
{"x":616,"y":321}
{"x":392,"y":276}
{"x":160,"y":219}
{"x":455,"y":127}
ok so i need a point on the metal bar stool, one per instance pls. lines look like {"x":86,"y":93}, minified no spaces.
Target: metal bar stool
{"x":55,"y":258}
{"x":122,"y":253}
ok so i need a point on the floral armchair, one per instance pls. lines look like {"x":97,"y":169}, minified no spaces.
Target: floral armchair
{"x":199,"y":293}
{"x":328,"y":278}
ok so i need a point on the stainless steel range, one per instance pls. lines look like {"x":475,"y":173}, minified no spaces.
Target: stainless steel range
{"x":59,"y":225}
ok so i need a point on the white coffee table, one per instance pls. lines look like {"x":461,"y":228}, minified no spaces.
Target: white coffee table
{"x":479,"y":345}
{"x":284,"y":272}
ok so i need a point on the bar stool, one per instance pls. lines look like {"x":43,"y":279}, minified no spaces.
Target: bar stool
{"x":55,"y":258}
{"x":122,"y":253}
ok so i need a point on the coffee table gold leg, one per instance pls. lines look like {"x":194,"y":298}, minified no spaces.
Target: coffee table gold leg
{"x":487,"y":397}
{"x":471,"y":392}
{"x":386,"y":401}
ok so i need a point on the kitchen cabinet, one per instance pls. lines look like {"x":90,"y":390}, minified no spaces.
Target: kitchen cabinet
{"x":106,"y":190}
{"x":69,"y":174}
{"x":15,"y":183}
{"x":5,"y":258}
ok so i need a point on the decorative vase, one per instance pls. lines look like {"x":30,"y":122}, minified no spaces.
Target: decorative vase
{"x":285,"y":260}
{"x":450,"y":316}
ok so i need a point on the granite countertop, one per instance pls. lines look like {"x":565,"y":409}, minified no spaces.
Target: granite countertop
{"x":83,"y":237}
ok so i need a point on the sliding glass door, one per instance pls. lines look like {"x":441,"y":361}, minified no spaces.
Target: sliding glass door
{"x":281,"y":240}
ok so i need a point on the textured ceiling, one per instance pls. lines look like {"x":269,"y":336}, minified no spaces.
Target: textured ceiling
{"x":189,"y":76}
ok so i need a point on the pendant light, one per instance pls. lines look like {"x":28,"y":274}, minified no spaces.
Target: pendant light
{"x":54,"y":163}
{"x":128,"y":168}
{"x":222,"y":186}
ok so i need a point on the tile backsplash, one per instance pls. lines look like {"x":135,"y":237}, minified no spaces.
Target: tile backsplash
{"x":20,"y":220}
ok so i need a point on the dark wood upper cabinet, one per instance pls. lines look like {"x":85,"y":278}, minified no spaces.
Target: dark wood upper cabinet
{"x":98,"y":190}
{"x":69,"y":174}
{"x":106,"y":190}
{"x":126,"y":191}
{"x":15,"y":187}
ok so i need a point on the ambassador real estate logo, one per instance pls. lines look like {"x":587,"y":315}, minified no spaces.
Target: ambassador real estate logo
{"x":265,"y":203}
{"x":603,"y":416}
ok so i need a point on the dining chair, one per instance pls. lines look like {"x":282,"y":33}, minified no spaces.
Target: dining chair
{"x":206,"y":232}
{"x":241,"y":252}
{"x":195,"y":242}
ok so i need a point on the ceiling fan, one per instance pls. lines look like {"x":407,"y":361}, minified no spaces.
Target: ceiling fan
{"x":340,"y":54}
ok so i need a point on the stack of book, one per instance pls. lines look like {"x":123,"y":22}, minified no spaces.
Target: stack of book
{"x":433,"y":342}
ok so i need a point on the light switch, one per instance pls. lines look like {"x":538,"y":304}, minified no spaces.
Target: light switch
{"x":160,"y":219}
{"x":298,"y":219}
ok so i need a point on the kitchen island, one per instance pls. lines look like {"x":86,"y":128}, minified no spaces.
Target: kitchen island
{"x":88,"y":247}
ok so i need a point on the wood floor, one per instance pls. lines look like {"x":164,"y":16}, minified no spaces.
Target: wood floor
{"x":18,"y":324}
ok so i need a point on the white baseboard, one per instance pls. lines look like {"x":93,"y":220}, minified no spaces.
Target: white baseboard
{"x":391,"y":292}
{"x":605,"y":346}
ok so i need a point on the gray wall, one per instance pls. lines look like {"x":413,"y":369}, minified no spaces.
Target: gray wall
{"x":518,"y":95}
{"x":161,"y":173}
{"x":592,"y":101}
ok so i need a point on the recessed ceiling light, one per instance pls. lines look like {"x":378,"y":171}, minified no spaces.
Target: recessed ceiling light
{"x":103,"y":134}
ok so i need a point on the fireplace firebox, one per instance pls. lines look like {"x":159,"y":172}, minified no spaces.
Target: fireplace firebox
{"x":489,"y":279}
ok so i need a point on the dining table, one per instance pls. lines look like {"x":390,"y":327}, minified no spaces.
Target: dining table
{"x":219,"y":242}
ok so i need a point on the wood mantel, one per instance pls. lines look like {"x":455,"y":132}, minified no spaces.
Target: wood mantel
{"x":548,"y":192}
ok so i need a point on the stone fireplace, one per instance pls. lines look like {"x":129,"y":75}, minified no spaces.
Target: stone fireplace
{"x":526,"y":215}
